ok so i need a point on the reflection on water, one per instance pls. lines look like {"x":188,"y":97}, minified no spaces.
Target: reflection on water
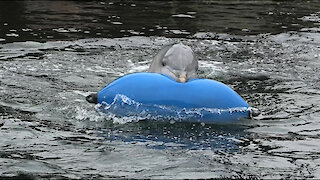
{"x":268,"y":51}
{"x":189,"y":136}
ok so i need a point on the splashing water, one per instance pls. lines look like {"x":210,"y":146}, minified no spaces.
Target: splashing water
{"x":124,"y":107}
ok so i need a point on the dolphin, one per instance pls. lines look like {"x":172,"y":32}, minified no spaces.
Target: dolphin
{"x":176,"y":61}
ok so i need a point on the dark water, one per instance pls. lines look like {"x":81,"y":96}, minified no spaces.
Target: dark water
{"x":54,"y":53}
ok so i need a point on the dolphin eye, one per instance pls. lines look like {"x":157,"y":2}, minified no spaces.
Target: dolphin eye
{"x":163,"y":63}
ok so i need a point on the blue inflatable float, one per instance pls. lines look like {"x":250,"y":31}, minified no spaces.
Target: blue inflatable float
{"x":156,"y":96}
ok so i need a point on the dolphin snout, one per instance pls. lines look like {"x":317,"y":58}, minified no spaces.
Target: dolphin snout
{"x":182,"y":77}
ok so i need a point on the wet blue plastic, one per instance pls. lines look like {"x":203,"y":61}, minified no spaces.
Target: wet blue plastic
{"x":156,"y":95}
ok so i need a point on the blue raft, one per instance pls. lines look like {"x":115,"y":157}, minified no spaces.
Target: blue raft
{"x":156,"y":96}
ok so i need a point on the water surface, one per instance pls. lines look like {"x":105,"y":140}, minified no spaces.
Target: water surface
{"x":54,"y":53}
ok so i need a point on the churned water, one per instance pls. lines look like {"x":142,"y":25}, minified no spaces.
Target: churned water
{"x":54,"y":53}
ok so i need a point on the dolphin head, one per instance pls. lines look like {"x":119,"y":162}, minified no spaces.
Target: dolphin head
{"x":178,"y":62}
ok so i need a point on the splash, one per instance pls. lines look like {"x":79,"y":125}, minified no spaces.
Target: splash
{"x":124,"y":109}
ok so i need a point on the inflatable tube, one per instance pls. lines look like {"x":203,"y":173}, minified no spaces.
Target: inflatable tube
{"x":156,"y":96}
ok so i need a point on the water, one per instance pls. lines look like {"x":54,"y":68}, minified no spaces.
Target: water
{"x":53,"y":54}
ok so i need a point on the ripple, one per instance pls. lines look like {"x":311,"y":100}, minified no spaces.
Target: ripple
{"x":313,"y":17}
{"x":175,"y":31}
{"x":183,"y":16}
{"x":12,"y":35}
{"x":116,"y":23}
{"x":68,"y":30}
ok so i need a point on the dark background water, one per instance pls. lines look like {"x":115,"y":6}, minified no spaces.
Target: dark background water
{"x":58,"y":20}
{"x":54,"y":53}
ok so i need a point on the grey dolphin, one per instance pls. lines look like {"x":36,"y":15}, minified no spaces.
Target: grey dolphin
{"x":177,"y":61}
